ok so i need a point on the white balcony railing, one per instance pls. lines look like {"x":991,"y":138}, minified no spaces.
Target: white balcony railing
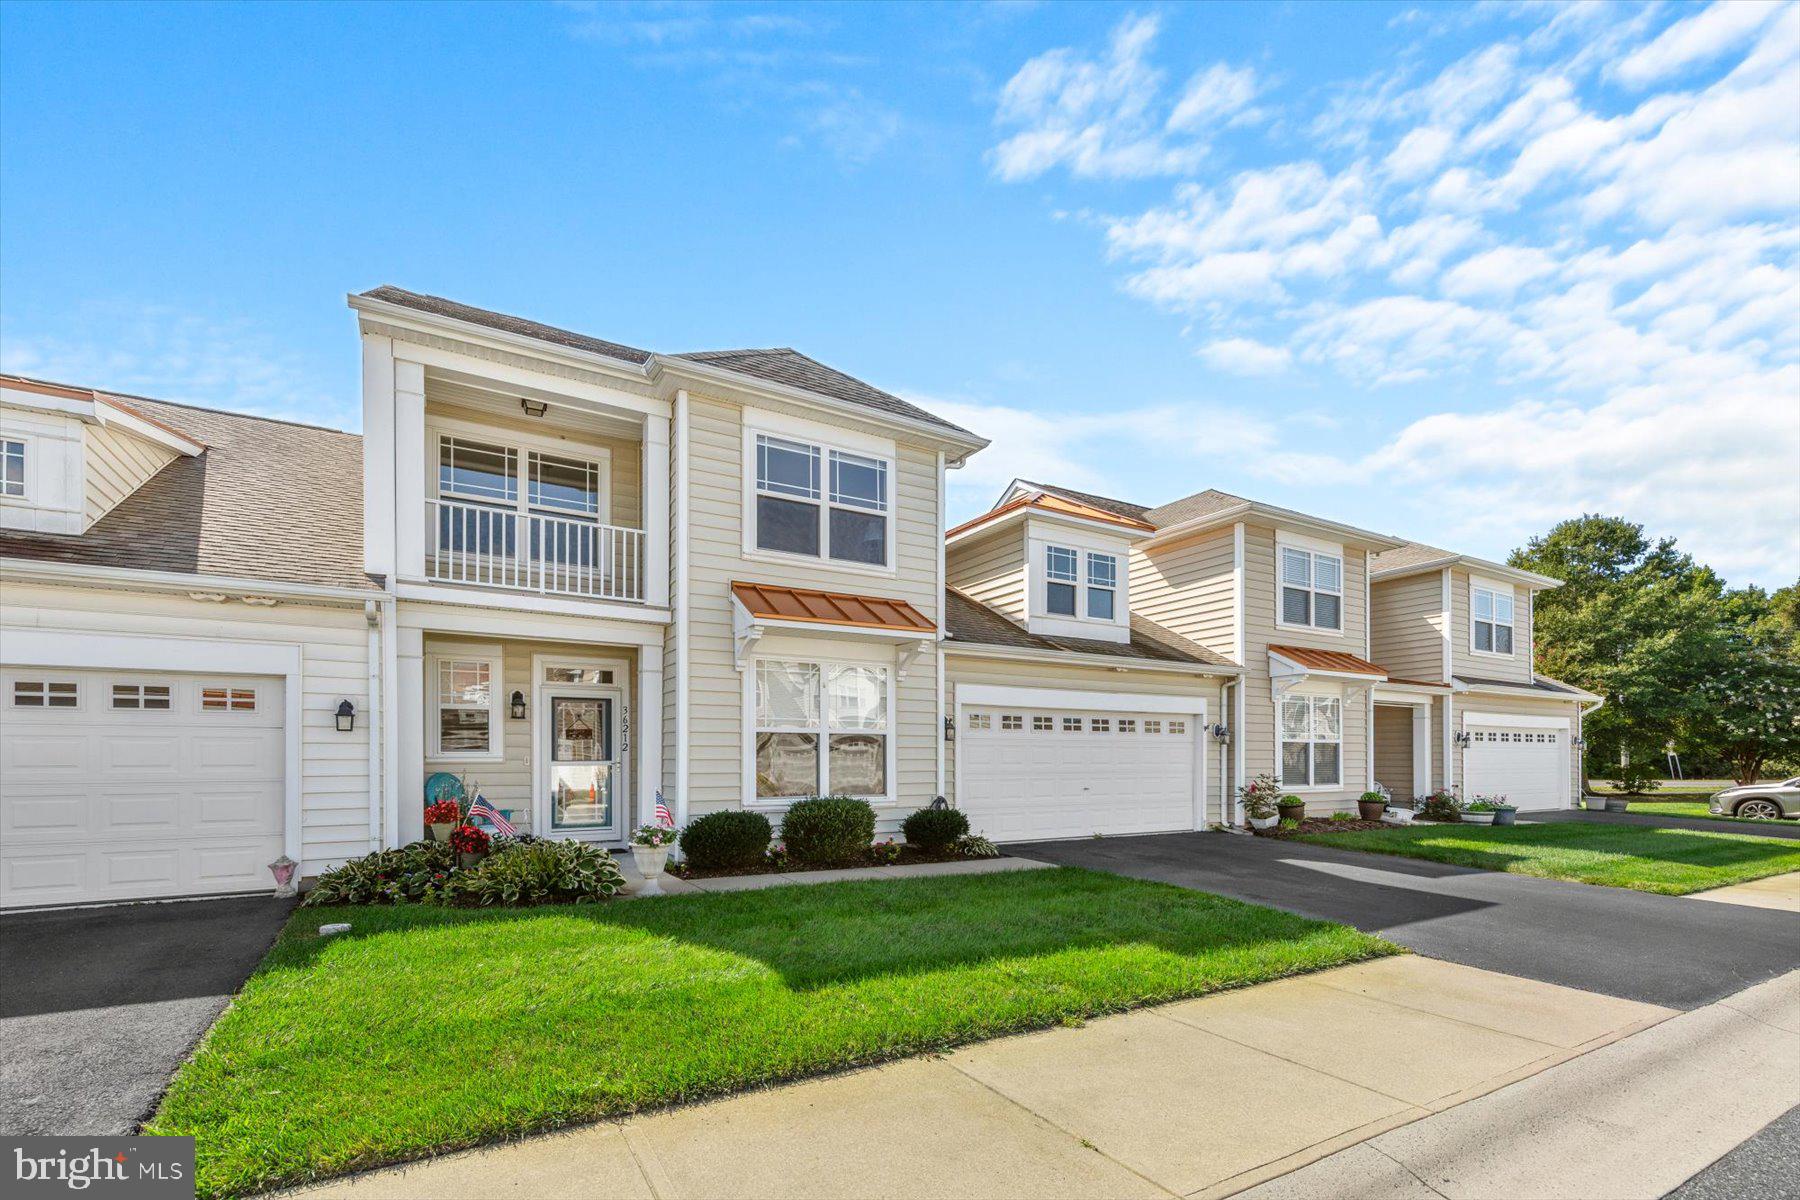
{"x":499,"y":547}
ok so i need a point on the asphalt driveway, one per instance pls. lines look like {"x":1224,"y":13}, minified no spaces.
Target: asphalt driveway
{"x":100,"y":1005}
{"x":1657,"y":949}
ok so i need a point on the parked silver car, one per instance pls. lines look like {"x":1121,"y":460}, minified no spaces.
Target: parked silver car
{"x":1766,"y":800}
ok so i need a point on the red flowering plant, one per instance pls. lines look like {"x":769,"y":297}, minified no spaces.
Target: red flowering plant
{"x":444,"y":812}
{"x":466,"y":839}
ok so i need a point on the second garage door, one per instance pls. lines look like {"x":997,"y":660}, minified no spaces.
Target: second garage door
{"x":1062,"y":773}
{"x":1530,"y":767}
{"x":118,"y":785}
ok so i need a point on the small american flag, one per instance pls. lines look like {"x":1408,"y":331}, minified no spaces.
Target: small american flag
{"x":664,"y":817}
{"x":481,"y":808}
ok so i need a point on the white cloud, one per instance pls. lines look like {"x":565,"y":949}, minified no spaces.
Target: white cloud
{"x":1419,"y":152}
{"x":1720,"y":27}
{"x":1497,"y":272}
{"x":1102,"y":118}
{"x":1246,"y":356}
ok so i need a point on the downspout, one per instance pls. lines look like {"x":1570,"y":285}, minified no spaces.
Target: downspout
{"x":1226,"y":693}
{"x":376,"y":694}
{"x":1581,"y":716}
{"x":390,"y":726}
{"x":938,"y":598}
{"x":679,"y":542}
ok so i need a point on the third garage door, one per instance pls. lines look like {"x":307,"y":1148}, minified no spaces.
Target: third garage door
{"x":1062,"y":773}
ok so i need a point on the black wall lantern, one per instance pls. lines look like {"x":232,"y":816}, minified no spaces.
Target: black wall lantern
{"x":346,"y":716}
{"x":518,"y":706}
{"x":949,"y":729}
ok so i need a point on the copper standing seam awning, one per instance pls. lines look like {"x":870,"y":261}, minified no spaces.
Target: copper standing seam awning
{"x":808,"y":606}
{"x":1335,"y":661}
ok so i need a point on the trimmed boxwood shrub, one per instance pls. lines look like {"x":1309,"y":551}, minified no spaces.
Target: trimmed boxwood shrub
{"x":825,"y":831}
{"x":935,"y":828}
{"x":725,"y":841}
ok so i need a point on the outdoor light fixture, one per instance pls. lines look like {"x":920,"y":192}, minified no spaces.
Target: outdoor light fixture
{"x":518,"y":706}
{"x":346,"y":716}
{"x":1578,"y":743}
{"x":1220,"y":732}
{"x":949,"y":729}
{"x":534,"y":408}
{"x":1464,"y":738}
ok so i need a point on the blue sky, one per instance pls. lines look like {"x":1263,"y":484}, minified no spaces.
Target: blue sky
{"x":1448,"y":272}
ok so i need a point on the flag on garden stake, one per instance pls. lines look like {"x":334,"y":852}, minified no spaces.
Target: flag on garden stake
{"x":480,"y":807}
{"x":664,"y":817}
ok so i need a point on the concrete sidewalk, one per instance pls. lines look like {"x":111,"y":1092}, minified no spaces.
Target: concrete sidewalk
{"x":1781,"y":892}
{"x":1633,"y":1119}
{"x":1203,"y":1097}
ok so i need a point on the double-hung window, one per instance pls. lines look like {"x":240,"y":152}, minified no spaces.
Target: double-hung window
{"x":821,"y":729}
{"x":464,"y":697}
{"x":1060,"y":580}
{"x":1312,"y":741}
{"x":821,"y":503}
{"x":1493,"y":615}
{"x":1312,"y":589}
{"x":1103,"y":585}
{"x":12,"y":468}
{"x":485,"y":495}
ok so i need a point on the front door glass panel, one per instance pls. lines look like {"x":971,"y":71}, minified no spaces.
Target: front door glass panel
{"x":583,"y":768}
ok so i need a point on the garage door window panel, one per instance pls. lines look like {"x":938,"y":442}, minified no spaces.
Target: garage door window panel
{"x":227,"y":699}
{"x":141,"y":696}
{"x":38,"y":693}
{"x":1312,"y":738}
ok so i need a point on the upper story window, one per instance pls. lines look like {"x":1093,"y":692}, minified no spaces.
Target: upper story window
{"x":1312,"y":589}
{"x":477,"y":471}
{"x":818,"y":502}
{"x":12,"y":468}
{"x":1492,"y":612}
{"x":489,"y":473}
{"x":1080,"y":584}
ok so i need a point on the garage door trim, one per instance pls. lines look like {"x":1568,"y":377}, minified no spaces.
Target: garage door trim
{"x":127,"y":652}
{"x":1031,"y":697}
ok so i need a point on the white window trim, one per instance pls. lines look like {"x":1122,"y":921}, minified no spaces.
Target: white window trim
{"x":492,"y":657}
{"x":824,"y":439}
{"x":824,"y":663}
{"x":523,"y":445}
{"x":81,"y":692}
{"x":1497,"y":589}
{"x":1314,"y":547}
{"x":1041,"y":538}
{"x":1343,"y":726}
{"x":28,"y":451}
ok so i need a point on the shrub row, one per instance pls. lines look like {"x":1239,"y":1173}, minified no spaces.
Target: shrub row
{"x":518,"y":871}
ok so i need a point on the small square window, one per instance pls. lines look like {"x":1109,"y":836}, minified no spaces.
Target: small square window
{"x":140,"y":696}
{"x":1127,"y":725}
{"x":38,"y":694}
{"x":1042,"y":724}
{"x":1152,"y":726}
{"x":1101,"y":725}
{"x":980,"y":721}
{"x":1012,"y":721}
{"x":1071,"y":725}
{"x":1177,"y":726}
{"x":227,"y":699}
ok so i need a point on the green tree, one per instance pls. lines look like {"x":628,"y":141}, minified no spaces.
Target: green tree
{"x":1749,"y":710}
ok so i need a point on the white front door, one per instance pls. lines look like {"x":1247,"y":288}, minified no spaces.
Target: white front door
{"x":1529,"y":766}
{"x":1055,"y":773}
{"x":134,"y":785}
{"x":584,"y":760}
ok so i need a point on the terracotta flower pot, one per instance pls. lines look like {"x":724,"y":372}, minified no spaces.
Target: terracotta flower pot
{"x":1292,"y":812}
{"x":1371,"y":810}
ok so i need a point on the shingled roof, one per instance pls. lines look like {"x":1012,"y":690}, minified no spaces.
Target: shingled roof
{"x":781,"y":364}
{"x":972,"y":623}
{"x":266,"y":499}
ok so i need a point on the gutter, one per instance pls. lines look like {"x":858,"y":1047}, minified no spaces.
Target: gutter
{"x":1074,"y":658}
{"x":679,"y":546}
{"x":87,"y":574}
{"x":1282,"y":517}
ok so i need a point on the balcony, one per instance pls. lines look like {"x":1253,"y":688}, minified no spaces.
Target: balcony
{"x":487,"y":546}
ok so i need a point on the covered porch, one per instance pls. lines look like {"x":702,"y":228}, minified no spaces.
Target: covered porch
{"x":1406,"y":714}
{"x":561,"y":733}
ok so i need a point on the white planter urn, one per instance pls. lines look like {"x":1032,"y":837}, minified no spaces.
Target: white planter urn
{"x":1264,"y":822}
{"x":1478,"y":818}
{"x":1398,"y":816}
{"x":650,"y":861}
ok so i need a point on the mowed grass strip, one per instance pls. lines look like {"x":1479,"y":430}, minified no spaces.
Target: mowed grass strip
{"x":1690,"y":808}
{"x":1646,"y":858}
{"x":426,"y":1029}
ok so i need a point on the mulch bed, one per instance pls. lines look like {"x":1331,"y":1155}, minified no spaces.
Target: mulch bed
{"x":909,"y":856}
{"x":1323,"y":825}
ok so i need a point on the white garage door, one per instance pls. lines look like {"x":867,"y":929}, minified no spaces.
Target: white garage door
{"x":1042,"y":773}
{"x":119,"y":785}
{"x":1530,"y":767}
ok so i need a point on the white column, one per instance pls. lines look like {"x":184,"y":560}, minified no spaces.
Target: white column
{"x":1369,"y":740}
{"x":378,"y":455}
{"x":648,"y":728}
{"x":409,"y":720}
{"x":409,"y":469}
{"x":654,"y":504}
{"x":1421,"y":737}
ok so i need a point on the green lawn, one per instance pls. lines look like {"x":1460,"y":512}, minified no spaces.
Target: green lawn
{"x":425,"y":1028}
{"x":1674,"y":806}
{"x":1647,"y":858}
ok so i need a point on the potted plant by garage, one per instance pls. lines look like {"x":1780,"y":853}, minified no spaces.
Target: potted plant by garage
{"x":1370,"y":806}
{"x":471,"y":845}
{"x":441,"y":818}
{"x":650,"y":851}
{"x":1292,"y":808}
{"x":1504,"y":810}
{"x":1259,"y":797}
{"x":1480,"y":811}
